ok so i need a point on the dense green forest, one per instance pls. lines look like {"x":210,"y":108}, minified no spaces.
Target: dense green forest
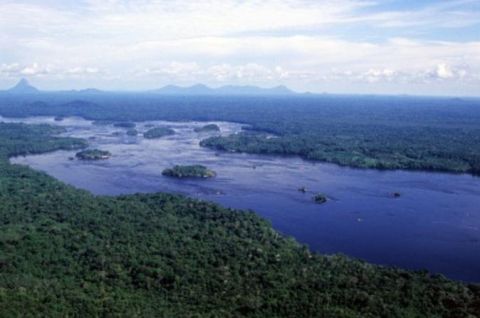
{"x":207,"y":128}
{"x":193,"y":171}
{"x":389,"y":149}
{"x":67,"y":253}
{"x":158,"y":132}
{"x":124,"y":125}
{"x":361,"y":131}
{"x":93,"y":154}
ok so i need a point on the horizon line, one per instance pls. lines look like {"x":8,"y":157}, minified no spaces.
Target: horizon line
{"x":155,"y":91}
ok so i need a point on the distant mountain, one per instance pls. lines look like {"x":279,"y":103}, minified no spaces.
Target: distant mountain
{"x":90,"y":91}
{"x":201,"y":89}
{"x":23,"y":87}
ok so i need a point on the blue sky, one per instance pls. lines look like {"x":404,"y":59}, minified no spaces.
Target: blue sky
{"x":343,"y":46}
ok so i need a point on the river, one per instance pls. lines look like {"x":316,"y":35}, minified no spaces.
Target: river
{"x":434,"y":224}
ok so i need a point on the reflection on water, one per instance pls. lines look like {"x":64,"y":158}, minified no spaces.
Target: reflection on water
{"x":434,"y":224}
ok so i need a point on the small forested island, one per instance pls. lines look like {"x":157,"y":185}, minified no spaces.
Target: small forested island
{"x":102,"y":122}
{"x":192,"y":171}
{"x":132,"y":132}
{"x":124,"y":125}
{"x":320,"y":198}
{"x":207,"y":128}
{"x":93,"y":154}
{"x":158,"y":132}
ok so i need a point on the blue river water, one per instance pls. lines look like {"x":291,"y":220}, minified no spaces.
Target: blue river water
{"x":433,"y":225}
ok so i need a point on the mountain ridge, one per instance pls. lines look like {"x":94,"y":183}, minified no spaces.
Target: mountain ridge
{"x":24,"y":87}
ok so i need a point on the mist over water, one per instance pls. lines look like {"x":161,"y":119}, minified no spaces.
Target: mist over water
{"x":434,"y":224}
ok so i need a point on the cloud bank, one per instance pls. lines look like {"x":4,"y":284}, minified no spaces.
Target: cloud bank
{"x":338,"y":46}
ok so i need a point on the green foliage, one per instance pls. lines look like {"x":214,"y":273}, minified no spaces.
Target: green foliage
{"x":158,"y":132}
{"x":320,"y":198}
{"x":390,"y":132}
{"x":93,"y":154}
{"x":21,"y":140}
{"x":67,"y":253}
{"x":125,"y":124}
{"x":207,"y":128}
{"x":132,"y":132}
{"x":193,"y":171}
{"x":365,"y":147}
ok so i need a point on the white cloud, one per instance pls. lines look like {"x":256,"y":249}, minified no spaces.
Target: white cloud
{"x":16,"y":70}
{"x":437,"y":73}
{"x":82,"y":70}
{"x":34,"y":70}
{"x":215,"y":73}
{"x":444,"y":71}
{"x":269,"y":42}
{"x":443,"y":14}
{"x":9,"y":69}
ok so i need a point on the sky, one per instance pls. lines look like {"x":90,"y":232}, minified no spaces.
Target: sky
{"x":421,"y":47}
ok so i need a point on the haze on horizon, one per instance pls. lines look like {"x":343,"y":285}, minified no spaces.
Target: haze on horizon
{"x":345,"y":46}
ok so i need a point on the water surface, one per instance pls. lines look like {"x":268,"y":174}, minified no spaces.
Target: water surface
{"x":434,"y":225}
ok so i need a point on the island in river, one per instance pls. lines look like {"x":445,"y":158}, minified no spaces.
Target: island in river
{"x":192,"y":171}
{"x":320,"y":198}
{"x":93,"y":154}
{"x":124,"y":125}
{"x":158,"y":132}
{"x":132,"y":132}
{"x":207,"y":128}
